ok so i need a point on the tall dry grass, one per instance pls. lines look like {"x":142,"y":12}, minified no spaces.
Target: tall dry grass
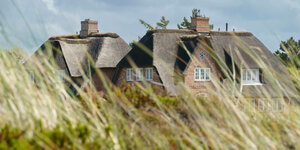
{"x":44,"y":115}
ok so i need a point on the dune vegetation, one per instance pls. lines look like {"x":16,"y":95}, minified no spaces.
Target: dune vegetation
{"x":44,"y":114}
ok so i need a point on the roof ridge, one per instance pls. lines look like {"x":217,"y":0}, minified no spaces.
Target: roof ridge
{"x":231,"y":33}
{"x":76,"y":36}
{"x":171,"y":31}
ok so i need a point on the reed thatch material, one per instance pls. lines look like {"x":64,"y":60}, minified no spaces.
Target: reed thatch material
{"x":106,"y":50}
{"x":244,"y":49}
{"x":247,"y":52}
{"x":163,"y":46}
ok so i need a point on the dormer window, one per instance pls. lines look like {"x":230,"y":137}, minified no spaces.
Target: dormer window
{"x":60,"y":58}
{"x":250,"y":77}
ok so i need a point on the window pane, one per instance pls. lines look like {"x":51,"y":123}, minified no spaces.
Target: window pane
{"x":202,"y":74}
{"x":149,"y":74}
{"x":244,"y":75}
{"x":139,"y":74}
{"x":248,"y":75}
{"x":196,"y":74}
{"x":256,"y":75}
{"x":207,"y":75}
{"x":251,"y":76}
{"x":129,"y":74}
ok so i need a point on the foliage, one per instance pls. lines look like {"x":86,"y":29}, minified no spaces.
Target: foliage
{"x":42,"y":115}
{"x":60,"y":137}
{"x":196,"y":13}
{"x":163,"y":23}
{"x":147,"y":25}
{"x":186,"y":24}
{"x":159,"y":25}
{"x":141,"y":97}
{"x":289,"y":52}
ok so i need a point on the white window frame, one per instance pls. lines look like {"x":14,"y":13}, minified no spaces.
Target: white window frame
{"x":129,"y":74}
{"x":250,"y":77}
{"x":139,"y":74}
{"x":149,"y":74}
{"x":202,"y":74}
{"x":61,"y":74}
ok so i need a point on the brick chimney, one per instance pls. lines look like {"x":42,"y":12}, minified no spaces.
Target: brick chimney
{"x":87,"y":27}
{"x":200,"y":24}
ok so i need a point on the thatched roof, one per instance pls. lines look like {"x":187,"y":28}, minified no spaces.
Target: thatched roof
{"x":162,"y":49}
{"x":106,"y":49}
{"x":163,"y":45}
{"x":247,"y":52}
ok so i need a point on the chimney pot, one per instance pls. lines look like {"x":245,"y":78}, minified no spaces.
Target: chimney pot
{"x":226,"y":27}
{"x":87,"y":27}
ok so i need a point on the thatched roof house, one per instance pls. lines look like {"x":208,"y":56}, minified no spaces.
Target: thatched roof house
{"x":202,"y":58}
{"x":245,"y":51}
{"x":106,"y":49}
{"x":162,"y":46}
{"x":73,"y":53}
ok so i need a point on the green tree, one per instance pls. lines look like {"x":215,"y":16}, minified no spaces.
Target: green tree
{"x":288,"y":52}
{"x":196,"y":13}
{"x":163,"y":23}
{"x":186,"y":24}
{"x":147,"y":25}
{"x":159,"y":25}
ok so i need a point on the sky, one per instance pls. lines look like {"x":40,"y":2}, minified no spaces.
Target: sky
{"x":29,"y":23}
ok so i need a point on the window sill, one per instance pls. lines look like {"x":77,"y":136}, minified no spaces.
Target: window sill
{"x":252,"y":84}
{"x":201,"y":80}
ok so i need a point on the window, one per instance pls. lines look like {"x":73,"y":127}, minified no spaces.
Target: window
{"x":31,"y":74}
{"x":149,"y":74}
{"x":250,"y":77}
{"x":202,"y":74}
{"x":60,"y":58}
{"x":202,"y":56}
{"x":277,"y":105}
{"x":61,"y":74}
{"x":129,"y":74}
{"x":139,"y":74}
